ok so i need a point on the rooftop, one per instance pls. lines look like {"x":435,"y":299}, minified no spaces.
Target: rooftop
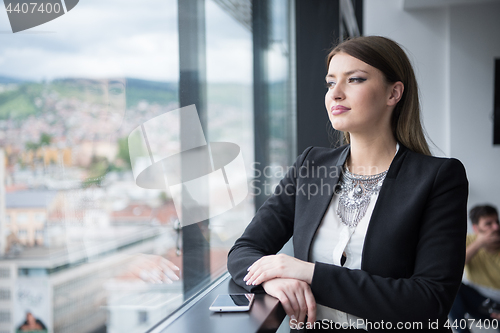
{"x":29,"y":198}
{"x":79,"y":251}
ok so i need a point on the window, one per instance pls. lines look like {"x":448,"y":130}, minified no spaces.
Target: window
{"x":40,"y":217}
{"x":143,"y":317}
{"x":4,"y":273}
{"x":69,"y":122}
{"x":22,"y":218}
{"x":4,"y":294}
{"x":33,"y":272}
{"x":4,"y":316}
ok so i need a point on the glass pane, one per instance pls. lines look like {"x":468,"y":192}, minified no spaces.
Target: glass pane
{"x":83,"y":242}
{"x":230,"y":115}
{"x":282,"y":95}
{"x":86,"y":242}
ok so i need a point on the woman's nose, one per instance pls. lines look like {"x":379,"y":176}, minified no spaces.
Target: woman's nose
{"x":338,"y":92}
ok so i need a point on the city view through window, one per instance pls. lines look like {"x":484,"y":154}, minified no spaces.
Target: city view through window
{"x":84,"y":245}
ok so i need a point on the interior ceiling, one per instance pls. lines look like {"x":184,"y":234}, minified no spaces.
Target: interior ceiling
{"x":240,"y":10}
{"x":416,"y":4}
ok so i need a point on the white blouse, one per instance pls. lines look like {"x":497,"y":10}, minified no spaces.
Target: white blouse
{"x":332,"y":239}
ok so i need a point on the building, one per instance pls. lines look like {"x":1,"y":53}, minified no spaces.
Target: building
{"x":135,"y":214}
{"x":26,"y":214}
{"x":68,"y":292}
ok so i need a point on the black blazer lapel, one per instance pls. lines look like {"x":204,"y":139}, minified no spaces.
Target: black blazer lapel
{"x":383,"y":218}
{"x":313,"y":198}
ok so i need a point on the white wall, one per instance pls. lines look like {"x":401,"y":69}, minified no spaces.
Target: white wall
{"x":475,"y":43}
{"x":452,"y":49}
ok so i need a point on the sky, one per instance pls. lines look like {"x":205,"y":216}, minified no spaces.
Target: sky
{"x":117,"y":38}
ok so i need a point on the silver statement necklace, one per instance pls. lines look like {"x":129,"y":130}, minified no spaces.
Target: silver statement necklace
{"x":355,"y":194}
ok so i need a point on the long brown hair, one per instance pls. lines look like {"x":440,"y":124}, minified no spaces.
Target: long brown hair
{"x":388,"y":57}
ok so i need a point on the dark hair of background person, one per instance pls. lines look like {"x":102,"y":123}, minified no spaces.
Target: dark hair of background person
{"x":480,"y":211}
{"x":388,"y":57}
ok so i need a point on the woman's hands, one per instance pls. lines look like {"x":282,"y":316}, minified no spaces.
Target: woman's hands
{"x":287,"y":279}
{"x":495,"y":315}
{"x":151,"y":269}
{"x":279,"y":266}
{"x":295,"y":296}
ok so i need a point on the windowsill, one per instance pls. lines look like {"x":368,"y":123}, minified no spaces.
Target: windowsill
{"x":265,"y":315}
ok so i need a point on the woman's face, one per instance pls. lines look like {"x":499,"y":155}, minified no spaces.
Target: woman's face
{"x":107,"y":103}
{"x":358,"y":100}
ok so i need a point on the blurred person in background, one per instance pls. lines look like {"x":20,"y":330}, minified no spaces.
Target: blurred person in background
{"x":482,"y":267}
{"x":32,"y":324}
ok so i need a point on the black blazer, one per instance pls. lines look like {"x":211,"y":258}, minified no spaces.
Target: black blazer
{"x":414,"y":251}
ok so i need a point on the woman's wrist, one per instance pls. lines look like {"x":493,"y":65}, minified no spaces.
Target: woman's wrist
{"x":309,"y":272}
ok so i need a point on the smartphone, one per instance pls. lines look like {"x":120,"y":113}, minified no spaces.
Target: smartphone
{"x":232,"y":303}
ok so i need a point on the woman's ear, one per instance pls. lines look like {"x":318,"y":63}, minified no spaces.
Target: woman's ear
{"x":396,"y":93}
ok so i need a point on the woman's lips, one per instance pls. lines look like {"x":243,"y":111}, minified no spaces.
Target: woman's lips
{"x":338,"y":109}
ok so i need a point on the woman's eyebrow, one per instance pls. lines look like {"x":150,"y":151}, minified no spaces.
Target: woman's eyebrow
{"x":348,"y":72}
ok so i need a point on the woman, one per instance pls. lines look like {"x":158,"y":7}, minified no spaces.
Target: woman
{"x":379,"y":237}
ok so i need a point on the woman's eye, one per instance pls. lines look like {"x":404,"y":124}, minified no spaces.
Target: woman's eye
{"x":356,"y":79}
{"x":330,"y":84}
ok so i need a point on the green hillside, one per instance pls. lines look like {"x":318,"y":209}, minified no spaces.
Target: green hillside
{"x":19,"y":102}
{"x":9,"y":80}
{"x":151,"y":91}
